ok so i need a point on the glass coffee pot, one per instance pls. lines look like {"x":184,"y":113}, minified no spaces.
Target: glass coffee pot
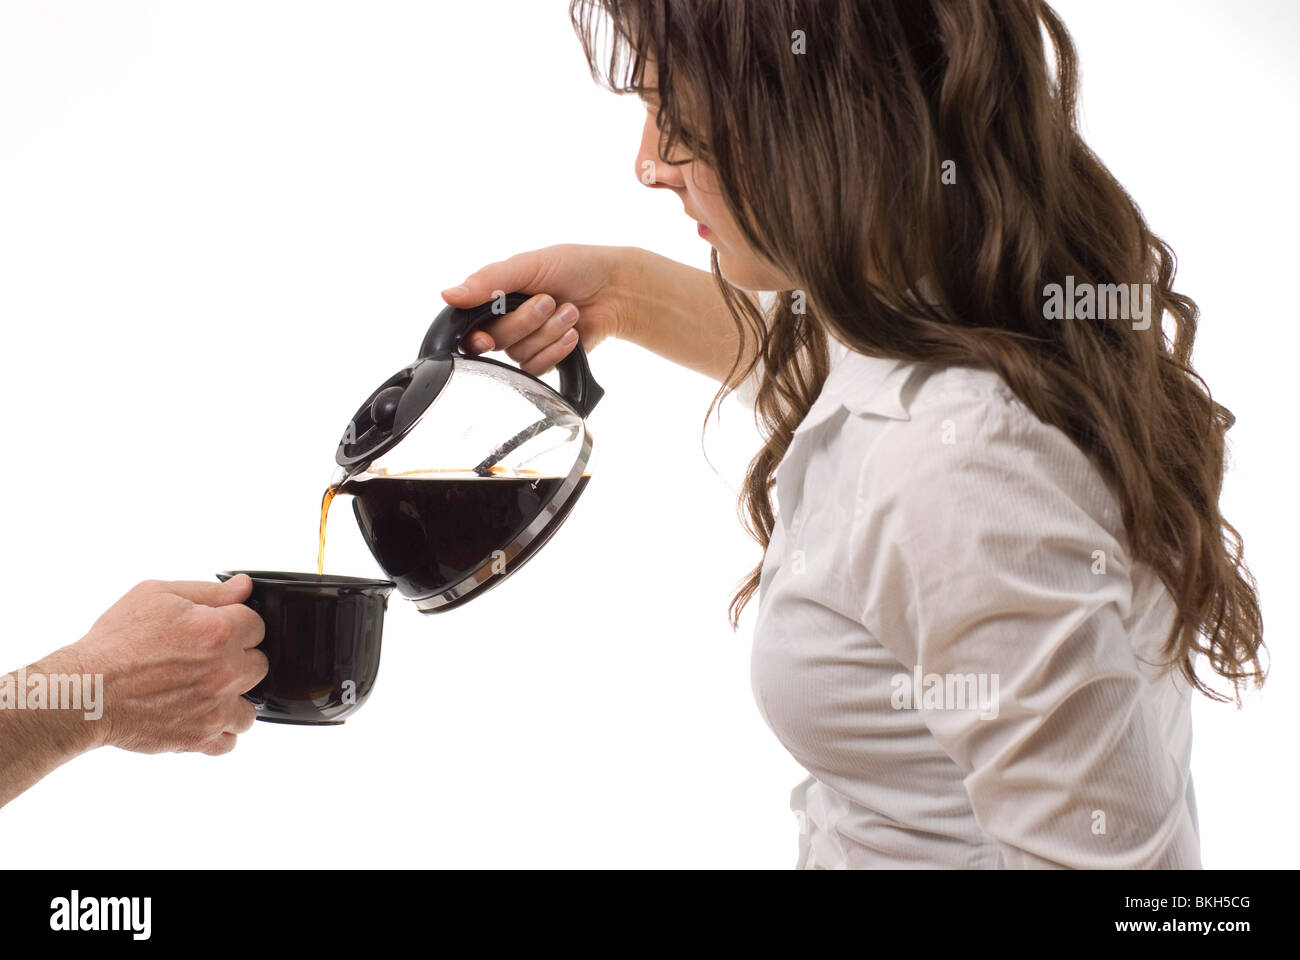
{"x":461,"y":467}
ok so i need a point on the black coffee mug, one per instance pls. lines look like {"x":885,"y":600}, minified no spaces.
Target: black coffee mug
{"x":322,"y":642}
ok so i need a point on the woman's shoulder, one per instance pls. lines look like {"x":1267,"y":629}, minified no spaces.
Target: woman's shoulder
{"x":964,"y":434}
{"x":932,"y":390}
{"x":968,"y":408}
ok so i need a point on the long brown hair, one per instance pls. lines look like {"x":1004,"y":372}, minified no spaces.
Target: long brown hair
{"x":829,"y":124}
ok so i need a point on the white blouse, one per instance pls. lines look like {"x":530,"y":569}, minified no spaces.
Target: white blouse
{"x":954,"y":641}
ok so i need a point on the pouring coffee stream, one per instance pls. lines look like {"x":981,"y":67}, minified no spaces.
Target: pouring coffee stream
{"x":443,"y":532}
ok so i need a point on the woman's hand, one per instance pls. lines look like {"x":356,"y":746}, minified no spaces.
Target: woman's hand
{"x":577,"y":287}
{"x":664,"y":306}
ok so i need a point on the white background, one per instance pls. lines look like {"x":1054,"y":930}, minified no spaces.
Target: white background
{"x":221,"y":225}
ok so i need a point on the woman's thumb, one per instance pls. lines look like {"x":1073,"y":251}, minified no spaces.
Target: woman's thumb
{"x":519,"y":274}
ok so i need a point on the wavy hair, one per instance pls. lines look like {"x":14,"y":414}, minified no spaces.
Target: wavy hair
{"x":828,"y":124}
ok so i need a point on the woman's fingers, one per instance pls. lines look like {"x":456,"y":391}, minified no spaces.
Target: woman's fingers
{"x":532,"y":335}
{"x":549,"y":333}
{"x":478,"y":342}
{"x":507,"y":330}
{"x":545,"y":360}
{"x":535,"y":323}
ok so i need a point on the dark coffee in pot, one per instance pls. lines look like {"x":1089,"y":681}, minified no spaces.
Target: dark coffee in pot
{"x":430,"y":532}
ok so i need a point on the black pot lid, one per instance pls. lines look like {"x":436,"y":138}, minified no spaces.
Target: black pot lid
{"x":391,"y":411}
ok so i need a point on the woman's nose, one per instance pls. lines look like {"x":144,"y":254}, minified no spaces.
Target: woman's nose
{"x":651,"y":169}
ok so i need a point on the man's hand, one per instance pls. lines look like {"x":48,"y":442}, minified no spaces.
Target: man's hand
{"x":175,"y":658}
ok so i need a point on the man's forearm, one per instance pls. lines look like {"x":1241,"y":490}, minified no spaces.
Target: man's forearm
{"x":36,"y":741}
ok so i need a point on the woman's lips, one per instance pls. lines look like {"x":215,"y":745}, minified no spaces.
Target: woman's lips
{"x":703,"y":230}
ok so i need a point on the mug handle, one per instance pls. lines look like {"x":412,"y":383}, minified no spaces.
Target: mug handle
{"x":254,"y":604}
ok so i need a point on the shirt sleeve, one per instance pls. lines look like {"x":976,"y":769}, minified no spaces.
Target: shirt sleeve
{"x":984,"y":552}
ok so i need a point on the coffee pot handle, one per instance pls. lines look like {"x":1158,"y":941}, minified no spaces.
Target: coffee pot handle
{"x":453,"y":324}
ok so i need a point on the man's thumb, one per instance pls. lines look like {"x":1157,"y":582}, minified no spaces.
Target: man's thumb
{"x":234,"y":590}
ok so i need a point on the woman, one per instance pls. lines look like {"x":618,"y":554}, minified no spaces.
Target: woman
{"x":995,"y":552}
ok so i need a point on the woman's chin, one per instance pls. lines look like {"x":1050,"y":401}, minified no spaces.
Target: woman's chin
{"x":736,"y":274}
{"x":747,"y":275}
